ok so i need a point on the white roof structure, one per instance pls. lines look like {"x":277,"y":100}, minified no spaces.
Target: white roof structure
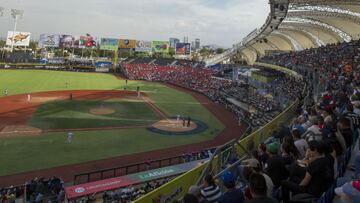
{"x":297,"y":25}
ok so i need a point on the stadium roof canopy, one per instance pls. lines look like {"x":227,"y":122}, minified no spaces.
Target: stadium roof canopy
{"x":297,"y":25}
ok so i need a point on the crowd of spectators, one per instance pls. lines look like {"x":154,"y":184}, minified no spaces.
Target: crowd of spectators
{"x":128,"y":194}
{"x":261,"y":108}
{"x":37,"y":190}
{"x":165,"y":62}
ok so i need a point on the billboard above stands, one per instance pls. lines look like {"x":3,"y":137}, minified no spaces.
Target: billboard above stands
{"x":183,"y":48}
{"x":143,"y":46}
{"x":49,"y":40}
{"x":18,"y":38}
{"x":127,"y":44}
{"x":87,"y":41}
{"x":160,"y":46}
{"x":67,"y":41}
{"x":109,"y":44}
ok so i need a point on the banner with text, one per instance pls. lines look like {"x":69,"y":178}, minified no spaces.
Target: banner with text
{"x":109,"y":44}
{"x":143,"y":46}
{"x":160,"y":46}
{"x":127,"y":44}
{"x":18,"y":38}
{"x":49,"y":40}
{"x":182,"y":48}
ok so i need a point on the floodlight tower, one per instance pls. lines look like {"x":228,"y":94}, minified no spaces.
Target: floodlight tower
{"x":16,"y":14}
{"x":2,"y":11}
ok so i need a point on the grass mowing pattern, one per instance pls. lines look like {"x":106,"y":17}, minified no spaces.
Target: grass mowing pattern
{"x":20,"y":154}
{"x":76,"y":114}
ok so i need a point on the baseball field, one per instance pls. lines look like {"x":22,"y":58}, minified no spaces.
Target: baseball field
{"x":106,"y":116}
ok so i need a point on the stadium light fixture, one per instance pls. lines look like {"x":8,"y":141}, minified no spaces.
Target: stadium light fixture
{"x":2,"y":11}
{"x":16,"y":14}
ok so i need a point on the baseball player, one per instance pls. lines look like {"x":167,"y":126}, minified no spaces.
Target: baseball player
{"x":69,"y":137}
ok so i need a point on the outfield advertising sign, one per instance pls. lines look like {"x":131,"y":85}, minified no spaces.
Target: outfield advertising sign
{"x":66,"y":41}
{"x":143,"y":46}
{"x":87,"y":41}
{"x":109,"y":44}
{"x":182,"y":48}
{"x":49,"y":40}
{"x":160,"y":46}
{"x":127,"y":44}
{"x":18,"y":38}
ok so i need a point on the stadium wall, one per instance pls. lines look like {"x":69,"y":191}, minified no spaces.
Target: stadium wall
{"x":178,"y":187}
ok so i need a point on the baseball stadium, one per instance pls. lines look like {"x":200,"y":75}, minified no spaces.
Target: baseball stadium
{"x":274,"y":117}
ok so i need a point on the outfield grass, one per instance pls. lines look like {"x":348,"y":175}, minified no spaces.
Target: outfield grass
{"x":20,"y":154}
{"x":76,"y":114}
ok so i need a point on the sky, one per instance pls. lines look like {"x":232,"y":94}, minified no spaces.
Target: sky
{"x":220,"y":22}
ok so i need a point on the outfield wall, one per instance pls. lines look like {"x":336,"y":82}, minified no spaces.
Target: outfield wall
{"x":178,"y":187}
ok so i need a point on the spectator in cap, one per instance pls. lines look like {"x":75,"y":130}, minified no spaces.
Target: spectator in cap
{"x":232,"y":194}
{"x":195,"y":190}
{"x":259,"y":190}
{"x":211,"y":192}
{"x":275,"y":166}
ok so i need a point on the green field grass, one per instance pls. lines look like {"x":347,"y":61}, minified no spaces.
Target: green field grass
{"x":76,"y":114}
{"x":20,"y":154}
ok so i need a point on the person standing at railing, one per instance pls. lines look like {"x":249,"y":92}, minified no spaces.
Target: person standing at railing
{"x":211,"y":192}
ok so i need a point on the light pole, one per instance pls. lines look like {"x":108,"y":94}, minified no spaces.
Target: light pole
{"x":2,"y":11}
{"x":16,"y":14}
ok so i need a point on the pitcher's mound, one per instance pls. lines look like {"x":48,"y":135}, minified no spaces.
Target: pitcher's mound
{"x":173,"y":125}
{"x":102,"y":111}
{"x":19,"y":130}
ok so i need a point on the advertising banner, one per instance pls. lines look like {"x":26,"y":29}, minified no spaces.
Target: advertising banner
{"x":87,"y":41}
{"x":183,"y":48}
{"x":97,"y":186}
{"x":18,"y":38}
{"x":143,"y":46}
{"x":160,"y":46}
{"x":67,"y":41}
{"x":109,"y":44}
{"x":49,"y":40}
{"x":127,"y":44}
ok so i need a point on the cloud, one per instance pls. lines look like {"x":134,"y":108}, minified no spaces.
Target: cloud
{"x":222,"y":22}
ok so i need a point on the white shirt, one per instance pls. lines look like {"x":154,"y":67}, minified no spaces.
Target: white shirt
{"x":302,"y":146}
{"x":269,"y":185}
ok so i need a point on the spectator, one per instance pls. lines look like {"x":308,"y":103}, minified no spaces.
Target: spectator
{"x":195,"y":190}
{"x":275,"y":166}
{"x":190,"y":198}
{"x":299,"y":143}
{"x":346,"y":132}
{"x":349,"y":192}
{"x":259,"y":190}
{"x":232,"y":194}
{"x":319,"y":174}
{"x":211,"y":192}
